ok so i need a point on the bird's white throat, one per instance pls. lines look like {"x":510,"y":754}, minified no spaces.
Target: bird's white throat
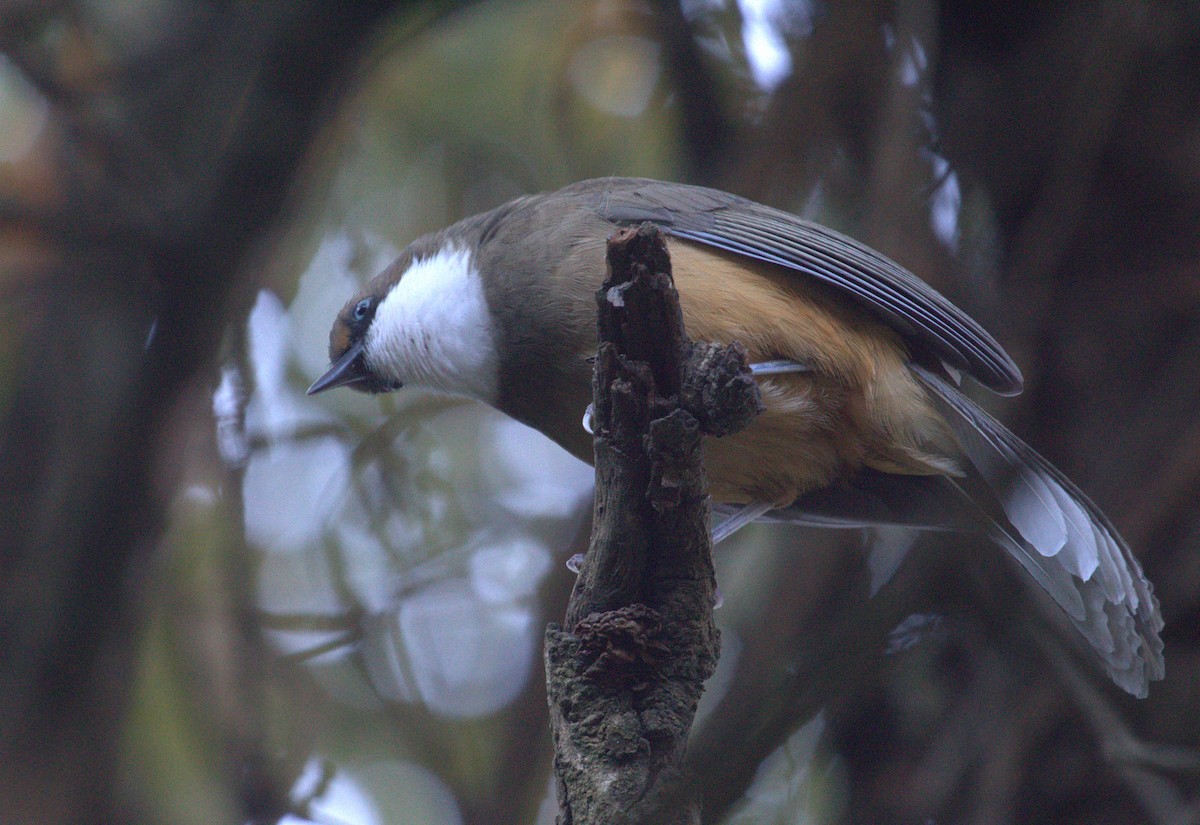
{"x":434,"y":330}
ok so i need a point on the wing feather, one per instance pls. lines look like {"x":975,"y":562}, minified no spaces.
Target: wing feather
{"x":714,"y":218}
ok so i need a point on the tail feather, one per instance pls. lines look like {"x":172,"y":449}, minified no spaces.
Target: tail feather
{"x":1062,"y":539}
{"x":1047,"y":571}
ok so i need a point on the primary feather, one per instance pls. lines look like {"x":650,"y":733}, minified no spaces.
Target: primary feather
{"x":734,"y":224}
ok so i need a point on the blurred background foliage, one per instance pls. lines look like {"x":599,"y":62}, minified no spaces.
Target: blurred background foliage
{"x":336,"y":613}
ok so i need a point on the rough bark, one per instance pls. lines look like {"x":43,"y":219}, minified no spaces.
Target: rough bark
{"x":625,"y":674}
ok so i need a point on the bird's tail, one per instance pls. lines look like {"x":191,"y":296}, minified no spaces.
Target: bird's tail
{"x":1060,"y":537}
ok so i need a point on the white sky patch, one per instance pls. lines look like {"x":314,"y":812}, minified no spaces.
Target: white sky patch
{"x":509,"y":570}
{"x":457,"y":653}
{"x":763,"y":36}
{"x":913,"y":64}
{"x":344,"y":798}
{"x":276,"y":409}
{"x":945,"y":203}
{"x":343,"y":260}
{"x":913,"y":59}
{"x":434,"y":329}
{"x":290,"y":487}
{"x":531,"y":476}
{"x":227,"y":406}
{"x":292,"y":490}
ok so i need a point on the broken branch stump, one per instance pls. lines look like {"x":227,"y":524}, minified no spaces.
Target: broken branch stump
{"x":626,"y":672}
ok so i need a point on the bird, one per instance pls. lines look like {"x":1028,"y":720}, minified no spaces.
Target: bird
{"x":859,"y":363}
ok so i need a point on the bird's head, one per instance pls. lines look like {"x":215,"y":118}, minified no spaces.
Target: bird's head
{"x":423,"y":321}
{"x":349,"y":346}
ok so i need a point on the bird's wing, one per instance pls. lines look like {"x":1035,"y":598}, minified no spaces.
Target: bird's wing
{"x":924,"y":318}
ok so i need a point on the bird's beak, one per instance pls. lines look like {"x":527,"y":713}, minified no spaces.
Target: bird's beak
{"x":345,"y":371}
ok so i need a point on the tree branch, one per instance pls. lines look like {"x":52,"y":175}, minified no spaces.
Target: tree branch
{"x":625,"y":677}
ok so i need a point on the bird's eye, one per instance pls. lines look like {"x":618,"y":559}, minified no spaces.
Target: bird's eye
{"x":361,"y":308}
